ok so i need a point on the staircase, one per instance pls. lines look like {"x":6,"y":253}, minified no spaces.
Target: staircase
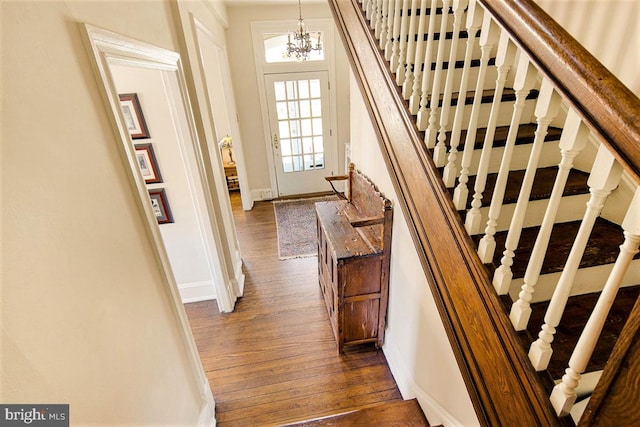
{"x":530,"y":157}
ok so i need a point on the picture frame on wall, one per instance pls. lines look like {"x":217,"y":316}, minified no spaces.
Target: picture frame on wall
{"x":160,"y":205}
{"x":133,"y":117}
{"x":146,"y":159}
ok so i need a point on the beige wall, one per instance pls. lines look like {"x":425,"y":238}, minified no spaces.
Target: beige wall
{"x":243,"y":72}
{"x":416,"y":345}
{"x":86,"y":315}
{"x":608,"y":29}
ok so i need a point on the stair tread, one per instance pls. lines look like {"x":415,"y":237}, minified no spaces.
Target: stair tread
{"x":602,"y":247}
{"x":398,"y":413}
{"x":573,"y":321}
{"x":542,"y":185}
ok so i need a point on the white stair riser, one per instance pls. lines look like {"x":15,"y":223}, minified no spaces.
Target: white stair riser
{"x":504,"y":114}
{"x":461,"y":49}
{"x":571,"y":209}
{"x":550,"y":157}
{"x":587,"y":280}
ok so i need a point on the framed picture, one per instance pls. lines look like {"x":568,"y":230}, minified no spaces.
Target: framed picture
{"x":160,"y":205}
{"x":133,"y":116}
{"x":146,"y":159}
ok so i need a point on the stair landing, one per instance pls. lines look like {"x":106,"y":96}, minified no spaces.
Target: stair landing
{"x":401,"y":413}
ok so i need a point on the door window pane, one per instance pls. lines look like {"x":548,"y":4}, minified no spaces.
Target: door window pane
{"x":316,"y":108}
{"x":297,"y":163}
{"x":292,"y":90}
{"x":306,"y":127}
{"x":295,"y":127}
{"x":308,"y":162}
{"x":305,"y":108}
{"x":283,"y":127}
{"x":296,"y":146}
{"x":279,"y":91}
{"x":307,"y":145}
{"x":300,"y":124}
{"x":287,"y":163}
{"x":285,"y":147}
{"x":294,"y":110}
{"x":281,"y":108}
{"x":315,"y":88}
{"x":303,"y":88}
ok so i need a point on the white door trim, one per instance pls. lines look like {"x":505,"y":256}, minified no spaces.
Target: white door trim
{"x":106,"y":47}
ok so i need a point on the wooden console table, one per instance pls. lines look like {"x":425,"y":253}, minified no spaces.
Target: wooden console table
{"x":354,"y":245}
{"x":231,"y":175}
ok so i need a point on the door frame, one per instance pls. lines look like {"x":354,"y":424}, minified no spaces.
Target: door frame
{"x":106,"y":47}
{"x":258,"y":28}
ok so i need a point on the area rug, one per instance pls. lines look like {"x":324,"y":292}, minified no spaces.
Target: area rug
{"x":296,"y":225}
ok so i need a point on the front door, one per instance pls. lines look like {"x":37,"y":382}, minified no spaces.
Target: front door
{"x":304,"y":149}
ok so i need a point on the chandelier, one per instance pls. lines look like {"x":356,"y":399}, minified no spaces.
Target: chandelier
{"x":301,"y":45}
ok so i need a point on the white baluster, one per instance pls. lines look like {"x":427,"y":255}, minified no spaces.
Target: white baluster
{"x":504,"y":61}
{"x":418,"y":61}
{"x":524,"y":80}
{"x":546,"y":110}
{"x":575,"y":135}
{"x":404,"y":34}
{"x":384,"y":24}
{"x":378,"y":17}
{"x":488,"y":38}
{"x":440,"y":152}
{"x":563,"y":395}
{"x":391,"y":13}
{"x":474,"y":20}
{"x":369,"y":12}
{"x":604,"y":177}
{"x":407,"y":85}
{"x":395,"y":47}
{"x":422,"y":86}
{"x":430,"y":135}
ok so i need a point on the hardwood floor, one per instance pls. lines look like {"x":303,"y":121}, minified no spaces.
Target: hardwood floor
{"x":274,"y":360}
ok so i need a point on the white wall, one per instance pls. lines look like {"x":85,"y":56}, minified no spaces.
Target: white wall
{"x":86,"y":316}
{"x":416,"y":345}
{"x":243,"y":72}
{"x":608,"y":29}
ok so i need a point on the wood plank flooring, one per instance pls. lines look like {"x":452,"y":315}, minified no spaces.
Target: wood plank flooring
{"x":274,"y":360}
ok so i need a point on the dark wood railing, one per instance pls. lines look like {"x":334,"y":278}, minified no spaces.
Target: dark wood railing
{"x":606,"y":104}
{"x":502,"y":384}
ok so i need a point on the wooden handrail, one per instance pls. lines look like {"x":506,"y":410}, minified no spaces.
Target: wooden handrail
{"x":606,"y":104}
{"x":502,"y":385}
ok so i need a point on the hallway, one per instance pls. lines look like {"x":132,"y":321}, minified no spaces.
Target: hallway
{"x":274,"y":360}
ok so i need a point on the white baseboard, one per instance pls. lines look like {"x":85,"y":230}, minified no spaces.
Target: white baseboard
{"x":261,"y":194}
{"x":239,"y":279}
{"x":207,"y":417}
{"x":196,"y":291}
{"x":434,"y":412}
